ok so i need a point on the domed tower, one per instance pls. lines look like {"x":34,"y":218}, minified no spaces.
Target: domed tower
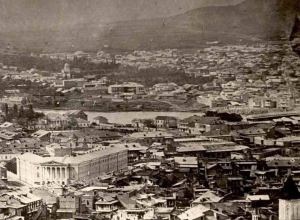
{"x":66,"y":67}
{"x":289,"y":202}
{"x":72,"y":142}
{"x":66,"y":71}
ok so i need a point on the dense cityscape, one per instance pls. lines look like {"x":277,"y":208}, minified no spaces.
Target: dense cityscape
{"x":244,"y":78}
{"x":197,"y":120}
{"x":225,"y":154}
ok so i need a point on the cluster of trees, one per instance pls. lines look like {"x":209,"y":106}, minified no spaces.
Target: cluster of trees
{"x":26,"y":62}
{"x":24,"y":86}
{"x":23,"y":117}
{"x":151,"y":76}
{"x":231,"y":117}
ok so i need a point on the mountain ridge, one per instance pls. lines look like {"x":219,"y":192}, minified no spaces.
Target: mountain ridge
{"x":249,"y":20}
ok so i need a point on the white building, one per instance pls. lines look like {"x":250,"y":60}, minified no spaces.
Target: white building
{"x":212,"y":101}
{"x":55,"y":120}
{"x":133,"y":88}
{"x":289,"y":202}
{"x":81,"y":123}
{"x":132,"y":214}
{"x":37,"y":170}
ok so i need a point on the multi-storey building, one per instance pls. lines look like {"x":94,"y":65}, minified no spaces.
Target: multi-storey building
{"x":262,"y":102}
{"x":166,"y":122}
{"x":212,"y":101}
{"x":134,"y":88}
{"x":37,"y":170}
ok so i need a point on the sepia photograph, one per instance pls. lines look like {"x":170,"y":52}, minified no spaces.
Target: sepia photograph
{"x":149,"y":110}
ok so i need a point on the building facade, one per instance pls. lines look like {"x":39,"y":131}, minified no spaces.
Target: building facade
{"x":36,"y":170}
{"x":126,"y":88}
{"x":165,"y":122}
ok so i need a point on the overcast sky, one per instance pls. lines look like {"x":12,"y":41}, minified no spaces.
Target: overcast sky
{"x":41,"y":14}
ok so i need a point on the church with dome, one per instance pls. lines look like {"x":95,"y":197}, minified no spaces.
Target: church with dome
{"x":66,"y":72}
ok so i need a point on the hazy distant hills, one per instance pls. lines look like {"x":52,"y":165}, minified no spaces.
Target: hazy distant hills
{"x":250,"y":20}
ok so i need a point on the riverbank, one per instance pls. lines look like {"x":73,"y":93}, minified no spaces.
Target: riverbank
{"x":104,"y":105}
{"x":43,"y":108}
{"x":126,"y":117}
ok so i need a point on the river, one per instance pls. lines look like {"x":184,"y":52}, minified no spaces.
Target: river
{"x":127,"y":117}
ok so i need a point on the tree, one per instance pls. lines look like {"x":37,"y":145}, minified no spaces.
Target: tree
{"x":149,"y":123}
{"x":73,"y":122}
{"x":21,"y":112}
{"x":30,"y":113}
{"x":233,"y":117}
{"x":22,"y":121}
{"x":5,"y":109}
{"x":15,"y":109}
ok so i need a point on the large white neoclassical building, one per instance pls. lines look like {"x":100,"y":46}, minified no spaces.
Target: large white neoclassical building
{"x":37,"y":170}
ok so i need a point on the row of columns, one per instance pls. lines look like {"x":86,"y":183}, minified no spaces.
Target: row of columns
{"x":55,"y":173}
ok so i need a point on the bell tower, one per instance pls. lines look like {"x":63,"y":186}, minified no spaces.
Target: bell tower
{"x":289,"y":202}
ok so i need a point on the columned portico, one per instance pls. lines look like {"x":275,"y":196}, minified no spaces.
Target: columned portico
{"x":58,"y":173}
{"x":54,"y":173}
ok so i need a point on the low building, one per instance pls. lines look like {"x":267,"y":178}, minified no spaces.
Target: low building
{"x":99,"y":90}
{"x":134,"y":88}
{"x":56,"y":150}
{"x":49,"y":198}
{"x":132,"y":214}
{"x":262,"y":102}
{"x":76,"y":114}
{"x":166,"y":122}
{"x":8,"y":154}
{"x":165,"y":87}
{"x":107,"y":204}
{"x":42,"y":135}
{"x":8,"y":126}
{"x":135,"y":151}
{"x":68,"y":206}
{"x":212,"y":101}
{"x":100,"y":120}
{"x":28,"y":202}
{"x":186,"y":164}
{"x":148,"y":138}
{"x":8,"y":135}
{"x":81,"y":123}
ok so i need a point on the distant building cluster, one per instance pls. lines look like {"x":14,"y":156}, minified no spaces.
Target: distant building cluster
{"x":240,"y":77}
{"x":237,"y":159}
